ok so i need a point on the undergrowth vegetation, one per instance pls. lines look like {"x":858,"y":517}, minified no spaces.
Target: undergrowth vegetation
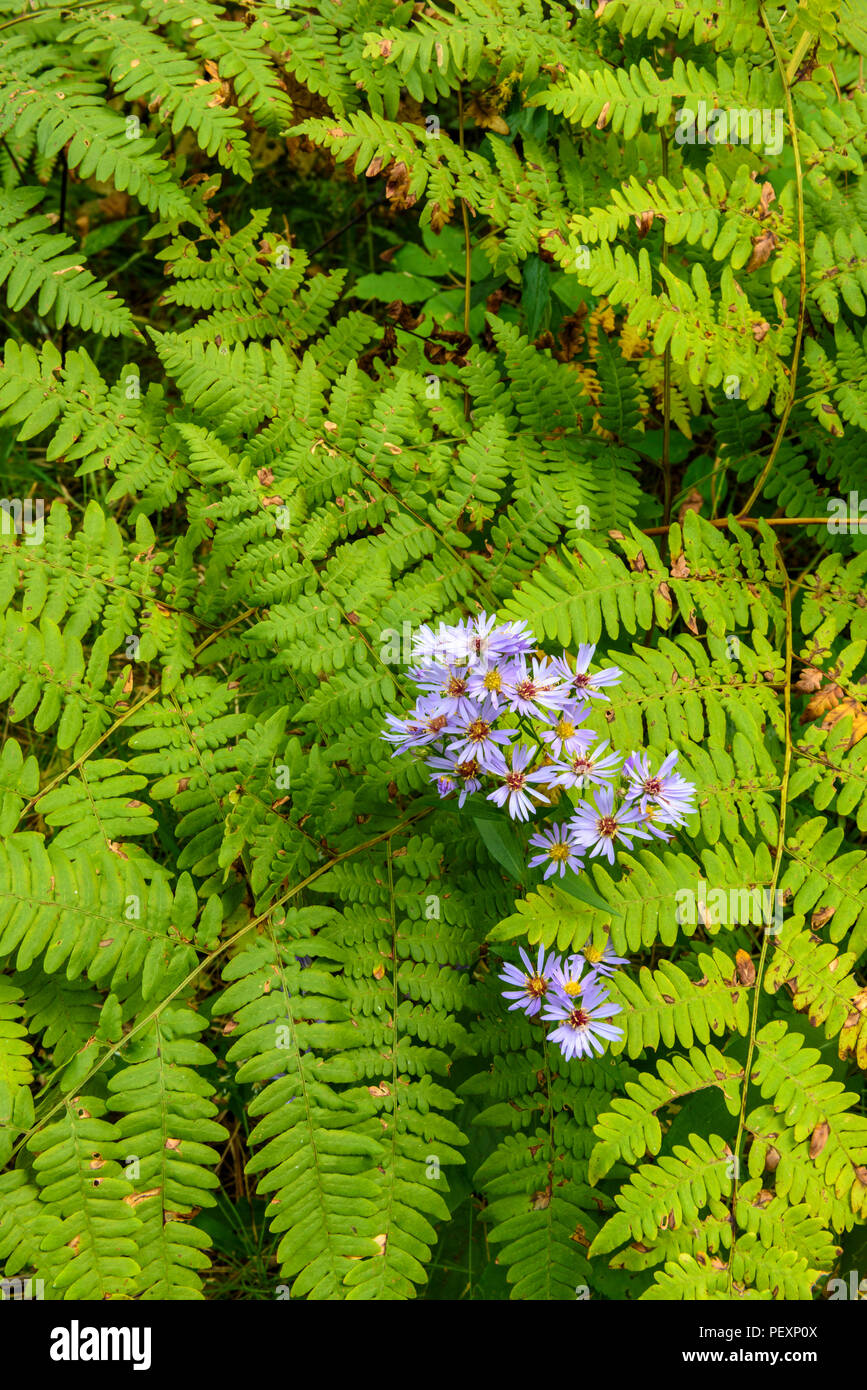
{"x":328,"y":324}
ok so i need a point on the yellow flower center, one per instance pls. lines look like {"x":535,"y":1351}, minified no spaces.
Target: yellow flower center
{"x":573,"y":987}
{"x":536,"y":985}
{"x":565,"y":729}
{"x":493,"y":681}
{"x":468,"y":769}
{"x":558,"y":852}
{"x":593,"y":953}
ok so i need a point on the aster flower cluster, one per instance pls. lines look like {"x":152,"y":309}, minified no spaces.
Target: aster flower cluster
{"x":497,"y":717}
{"x":558,"y":991}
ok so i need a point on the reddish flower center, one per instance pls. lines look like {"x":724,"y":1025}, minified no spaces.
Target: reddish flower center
{"x":653,"y":786}
{"x":580,"y":679}
{"x":478,"y":730}
{"x":578,"y":1018}
{"x":515,"y":780}
{"x":469,"y":769}
{"x":527,"y":690}
{"x":536,"y":986}
{"x":607,"y":825}
{"x":456,"y":686}
{"x":438,"y":722}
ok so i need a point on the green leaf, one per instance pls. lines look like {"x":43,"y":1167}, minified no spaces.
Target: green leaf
{"x":535,"y":294}
{"x":502,"y":843}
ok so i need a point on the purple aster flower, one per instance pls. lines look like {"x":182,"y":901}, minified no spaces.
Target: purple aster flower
{"x":475,"y":640}
{"x":655,"y":817}
{"x":564,"y":736}
{"x":489,"y":682}
{"x":532,"y":983}
{"x":511,"y":639}
{"x":423,"y":725}
{"x":456,"y":772}
{"x":581,"y":1022}
{"x":439,"y":646}
{"x":601,"y":825}
{"x":516,"y":789}
{"x":581,"y":683}
{"x":447,"y":686}
{"x":478,"y":738}
{"x":586,"y":767}
{"x":567,"y":977}
{"x":602,"y":959}
{"x":484,"y":639}
{"x":667,"y":790}
{"x":558,"y":850}
{"x":528,"y":692}
{"x":479,"y":639}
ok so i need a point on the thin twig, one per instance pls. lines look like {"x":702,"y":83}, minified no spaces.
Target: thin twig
{"x":468,"y":250}
{"x":666,"y":372}
{"x":61,"y":227}
{"x":802,"y":297}
{"x":365,"y":212}
{"x":778,"y":859}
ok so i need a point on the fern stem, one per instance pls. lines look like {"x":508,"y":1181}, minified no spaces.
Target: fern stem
{"x":755,"y":521}
{"x":467,"y":246}
{"x":468,"y":250}
{"x":802,"y":258}
{"x":778,"y":860}
{"x":808,"y":569}
{"x":8,"y":150}
{"x":666,"y":373}
{"x":61,"y":227}
{"x":46,"y":11}
{"x":394,"y":1073}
